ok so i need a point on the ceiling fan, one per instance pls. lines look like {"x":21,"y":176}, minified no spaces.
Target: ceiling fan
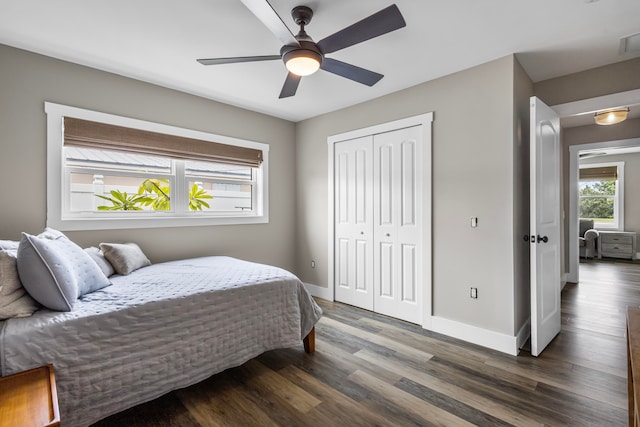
{"x":302,"y":56}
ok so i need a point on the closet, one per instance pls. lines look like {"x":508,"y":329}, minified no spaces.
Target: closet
{"x":379,"y":232}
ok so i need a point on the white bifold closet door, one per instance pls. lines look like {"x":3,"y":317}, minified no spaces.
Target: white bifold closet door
{"x":377,"y":223}
{"x":353,"y":168}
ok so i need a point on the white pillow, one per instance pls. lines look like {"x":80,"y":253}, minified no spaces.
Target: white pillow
{"x":48,"y":233}
{"x":97,"y":255}
{"x":9,"y":244}
{"x":124,"y":257}
{"x":56,"y":272}
{"x":14,"y":299}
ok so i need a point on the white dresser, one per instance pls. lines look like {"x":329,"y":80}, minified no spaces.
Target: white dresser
{"x":617,"y":244}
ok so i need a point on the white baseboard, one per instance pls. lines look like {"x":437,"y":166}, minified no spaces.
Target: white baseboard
{"x":319,"y":291}
{"x":473,"y":334}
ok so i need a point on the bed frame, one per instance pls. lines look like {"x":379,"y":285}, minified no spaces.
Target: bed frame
{"x":310,"y":341}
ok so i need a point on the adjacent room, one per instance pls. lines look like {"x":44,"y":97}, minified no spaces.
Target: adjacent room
{"x":252,"y":212}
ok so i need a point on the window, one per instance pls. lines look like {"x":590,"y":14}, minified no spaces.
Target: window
{"x":601,"y":194}
{"x":107,"y":171}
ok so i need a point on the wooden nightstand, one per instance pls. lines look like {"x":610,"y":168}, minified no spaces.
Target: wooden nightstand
{"x":29,"y":399}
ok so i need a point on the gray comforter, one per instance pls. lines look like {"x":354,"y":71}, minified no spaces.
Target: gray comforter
{"x":160,"y":328}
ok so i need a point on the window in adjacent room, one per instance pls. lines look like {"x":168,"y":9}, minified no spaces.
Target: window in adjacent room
{"x":601,"y":194}
{"x":108,"y":171}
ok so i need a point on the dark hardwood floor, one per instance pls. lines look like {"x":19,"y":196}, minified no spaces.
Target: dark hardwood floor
{"x":372,"y":370}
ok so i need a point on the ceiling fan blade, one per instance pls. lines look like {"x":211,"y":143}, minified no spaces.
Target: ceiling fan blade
{"x":290,"y":86}
{"x":265,"y":13}
{"x":351,"y":72}
{"x":233,"y":60}
{"x":383,"y":22}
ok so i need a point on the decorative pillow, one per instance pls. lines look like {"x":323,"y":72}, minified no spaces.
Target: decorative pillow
{"x":97,"y":255}
{"x":9,"y":245}
{"x":124,"y":257}
{"x":48,"y":233}
{"x":14,"y":300}
{"x":56,"y":272}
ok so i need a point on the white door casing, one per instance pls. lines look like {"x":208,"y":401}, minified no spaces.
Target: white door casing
{"x":353,"y":195}
{"x":545,"y":225}
{"x":397,"y":197}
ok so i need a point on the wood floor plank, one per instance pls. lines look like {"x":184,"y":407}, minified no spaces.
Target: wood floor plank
{"x":334,"y":404}
{"x":451,"y":389}
{"x":274,"y":383}
{"x":231,"y":407}
{"x":378,"y":339}
{"x":408,"y":402}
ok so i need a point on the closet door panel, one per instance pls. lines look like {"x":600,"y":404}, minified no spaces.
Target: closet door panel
{"x":353,"y":250}
{"x":408,"y":183}
{"x":409,"y":274}
{"x":396,"y":225}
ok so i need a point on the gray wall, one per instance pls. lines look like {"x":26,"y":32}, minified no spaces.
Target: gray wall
{"x":473,"y":175}
{"x":613,"y":78}
{"x":523,"y":89}
{"x":28,"y":79}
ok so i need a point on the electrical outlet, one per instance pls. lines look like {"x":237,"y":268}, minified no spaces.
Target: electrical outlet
{"x":474,"y":222}
{"x":313,"y":264}
{"x":473,"y":293}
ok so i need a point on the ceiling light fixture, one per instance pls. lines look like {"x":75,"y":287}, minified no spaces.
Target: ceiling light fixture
{"x":611,"y":117}
{"x":302,"y":62}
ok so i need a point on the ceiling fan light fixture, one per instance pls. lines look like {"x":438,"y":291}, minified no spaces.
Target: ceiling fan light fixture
{"x":611,"y":117}
{"x":302,"y":62}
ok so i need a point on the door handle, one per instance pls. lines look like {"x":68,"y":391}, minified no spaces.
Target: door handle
{"x":544,"y":239}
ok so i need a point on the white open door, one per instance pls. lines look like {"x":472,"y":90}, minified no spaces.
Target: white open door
{"x":545,"y":225}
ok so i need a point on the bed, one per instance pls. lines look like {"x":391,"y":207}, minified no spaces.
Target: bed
{"x":157,"y":329}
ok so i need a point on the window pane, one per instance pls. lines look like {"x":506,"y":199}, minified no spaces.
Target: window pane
{"x":600,"y":209}
{"x":598,"y":188}
{"x":220,"y":197}
{"x":218,"y":170}
{"x":598,"y":201}
{"x":93,"y":192}
{"x":114,"y":160}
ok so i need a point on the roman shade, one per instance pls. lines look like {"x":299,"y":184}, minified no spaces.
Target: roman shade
{"x":103,"y":136}
{"x":599,"y":173}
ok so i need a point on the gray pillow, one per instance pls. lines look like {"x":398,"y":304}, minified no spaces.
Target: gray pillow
{"x":124,"y":257}
{"x":56,"y":272}
{"x":97,"y":255}
{"x":14,"y":300}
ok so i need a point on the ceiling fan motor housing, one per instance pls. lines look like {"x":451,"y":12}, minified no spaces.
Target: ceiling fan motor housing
{"x":307,"y":49}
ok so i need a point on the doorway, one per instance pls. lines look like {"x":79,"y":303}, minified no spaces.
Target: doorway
{"x":580,"y":110}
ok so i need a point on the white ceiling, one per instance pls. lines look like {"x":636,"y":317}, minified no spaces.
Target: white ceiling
{"x":159,"y":41}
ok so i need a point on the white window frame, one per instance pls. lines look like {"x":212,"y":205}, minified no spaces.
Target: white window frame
{"x":59,"y":218}
{"x":618,"y":210}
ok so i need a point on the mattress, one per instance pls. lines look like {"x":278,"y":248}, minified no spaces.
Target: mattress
{"x":160,"y":328}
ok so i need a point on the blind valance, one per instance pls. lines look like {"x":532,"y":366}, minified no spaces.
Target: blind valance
{"x":602,"y":173}
{"x":103,"y":136}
